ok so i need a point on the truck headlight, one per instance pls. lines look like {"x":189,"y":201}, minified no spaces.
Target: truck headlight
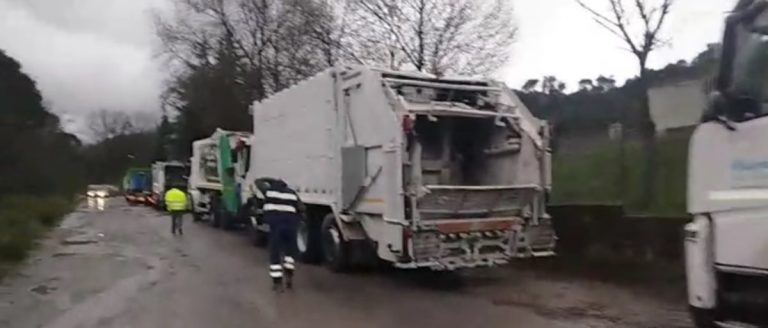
{"x":691,"y":232}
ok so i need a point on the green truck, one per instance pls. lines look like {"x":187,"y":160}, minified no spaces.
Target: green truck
{"x":217,"y":168}
{"x":137,"y":185}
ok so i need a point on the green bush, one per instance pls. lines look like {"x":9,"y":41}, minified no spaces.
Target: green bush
{"x":25,"y":218}
{"x":593,"y":177}
{"x":17,"y":235}
{"x":46,"y":210}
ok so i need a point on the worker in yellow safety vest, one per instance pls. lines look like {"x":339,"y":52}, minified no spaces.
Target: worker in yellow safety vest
{"x":176,"y":204}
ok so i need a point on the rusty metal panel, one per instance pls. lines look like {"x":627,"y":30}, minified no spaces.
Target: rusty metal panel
{"x":455,"y":202}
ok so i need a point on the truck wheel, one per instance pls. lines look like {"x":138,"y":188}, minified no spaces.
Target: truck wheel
{"x":335,"y":249}
{"x":702,"y":318}
{"x":216,"y":213}
{"x":225,"y":222}
{"x":308,"y":241}
{"x":197,"y":217}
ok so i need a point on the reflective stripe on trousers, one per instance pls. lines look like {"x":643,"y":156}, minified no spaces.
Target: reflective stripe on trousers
{"x":288,"y":263}
{"x":276,"y":271}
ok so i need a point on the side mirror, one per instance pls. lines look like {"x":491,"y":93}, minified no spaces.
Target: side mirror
{"x":717,"y":106}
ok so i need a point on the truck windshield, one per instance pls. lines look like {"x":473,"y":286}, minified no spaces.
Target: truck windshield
{"x":174,"y":175}
{"x":750,"y":73}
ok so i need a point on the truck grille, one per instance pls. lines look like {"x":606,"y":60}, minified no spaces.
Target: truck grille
{"x":744,"y":297}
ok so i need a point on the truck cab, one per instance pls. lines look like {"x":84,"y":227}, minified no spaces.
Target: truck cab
{"x":726,"y":245}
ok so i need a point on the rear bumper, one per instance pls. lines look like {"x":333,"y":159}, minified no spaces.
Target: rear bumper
{"x":455,"y":263}
{"x":138,"y":198}
{"x":459,"y":244}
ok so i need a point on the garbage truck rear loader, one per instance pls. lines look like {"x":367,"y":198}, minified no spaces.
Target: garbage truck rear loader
{"x":217,"y":168}
{"x":137,"y":185}
{"x":408,"y":168}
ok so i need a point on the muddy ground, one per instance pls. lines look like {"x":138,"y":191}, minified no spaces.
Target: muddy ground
{"x":114,"y":265}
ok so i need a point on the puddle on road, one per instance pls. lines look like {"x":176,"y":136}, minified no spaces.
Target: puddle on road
{"x":78,"y":241}
{"x":63,"y":254}
{"x":84,"y":238}
{"x":43,"y":290}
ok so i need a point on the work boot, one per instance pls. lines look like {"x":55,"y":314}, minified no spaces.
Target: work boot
{"x":277,"y":285}
{"x":289,"y":282}
{"x":289,"y":279}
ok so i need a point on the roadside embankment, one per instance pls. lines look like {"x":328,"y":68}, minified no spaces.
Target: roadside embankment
{"x":23,"y":220}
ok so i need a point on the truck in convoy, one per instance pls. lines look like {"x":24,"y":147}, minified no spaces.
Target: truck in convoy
{"x":137,"y":185}
{"x":166,"y":175}
{"x":217,"y":168}
{"x":726,"y":244}
{"x":408,"y":168}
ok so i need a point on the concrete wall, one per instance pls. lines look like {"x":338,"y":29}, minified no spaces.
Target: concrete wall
{"x":677,"y":105}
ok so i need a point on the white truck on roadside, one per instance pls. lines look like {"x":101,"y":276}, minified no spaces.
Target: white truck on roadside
{"x":217,"y":168}
{"x":408,"y":168}
{"x":166,"y":175}
{"x":726,"y":245}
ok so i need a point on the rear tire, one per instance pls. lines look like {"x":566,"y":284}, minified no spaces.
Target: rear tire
{"x":309,"y":241}
{"x":258,"y":238}
{"x":216,"y":213}
{"x":226,"y":221}
{"x":335,"y":249}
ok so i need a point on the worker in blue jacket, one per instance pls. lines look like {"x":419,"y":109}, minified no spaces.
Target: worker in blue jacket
{"x":283,"y":212}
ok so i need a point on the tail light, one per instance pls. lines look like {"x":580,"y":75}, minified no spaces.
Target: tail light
{"x":408,"y":124}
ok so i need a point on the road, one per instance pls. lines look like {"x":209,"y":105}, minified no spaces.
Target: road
{"x":114,"y":265}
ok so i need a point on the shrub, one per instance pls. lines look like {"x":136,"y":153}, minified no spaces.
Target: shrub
{"x":17,"y":235}
{"x":23,"y":219}
{"x":46,"y":210}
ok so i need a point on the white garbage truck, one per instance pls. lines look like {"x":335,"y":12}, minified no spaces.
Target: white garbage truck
{"x":217,"y":169}
{"x":726,"y":245}
{"x":166,"y":175}
{"x":408,"y":168}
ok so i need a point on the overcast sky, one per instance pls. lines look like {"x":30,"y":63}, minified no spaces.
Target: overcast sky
{"x":91,"y":54}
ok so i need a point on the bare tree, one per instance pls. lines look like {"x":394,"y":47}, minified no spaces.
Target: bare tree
{"x":106,"y":124}
{"x":438,"y":36}
{"x":271,"y":41}
{"x":639,"y":27}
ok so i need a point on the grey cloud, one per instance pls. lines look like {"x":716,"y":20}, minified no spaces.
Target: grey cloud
{"x":85,"y":54}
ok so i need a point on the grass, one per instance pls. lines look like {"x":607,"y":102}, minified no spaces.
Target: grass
{"x":593,"y":177}
{"x":23,"y":220}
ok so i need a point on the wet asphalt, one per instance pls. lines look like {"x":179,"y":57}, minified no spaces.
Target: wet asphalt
{"x":115,"y":265}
